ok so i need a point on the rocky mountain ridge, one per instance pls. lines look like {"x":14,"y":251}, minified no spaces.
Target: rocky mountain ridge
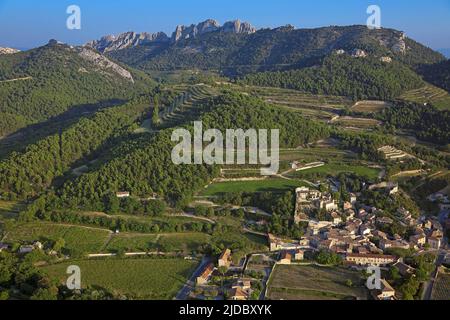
{"x":126,"y":40}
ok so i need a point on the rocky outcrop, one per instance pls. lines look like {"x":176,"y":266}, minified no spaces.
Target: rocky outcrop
{"x":132,"y":39}
{"x":396,"y":43}
{"x":192,"y":31}
{"x":126,"y":40}
{"x":358,"y":53}
{"x":238,"y":27}
{"x":187,"y":32}
{"x":399,"y":45}
{"x":103,"y":64}
{"x":8,"y":51}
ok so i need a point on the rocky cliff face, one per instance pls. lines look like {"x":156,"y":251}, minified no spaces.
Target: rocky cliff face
{"x":396,"y":44}
{"x":238,"y":27}
{"x":103,"y":64}
{"x":131,"y":39}
{"x":8,"y":51}
{"x":126,"y":40}
{"x":187,"y":32}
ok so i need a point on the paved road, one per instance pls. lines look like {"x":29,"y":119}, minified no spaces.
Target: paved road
{"x":267,"y":272}
{"x":190,"y":284}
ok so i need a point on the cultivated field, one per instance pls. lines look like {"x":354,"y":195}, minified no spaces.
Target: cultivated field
{"x":137,"y":278}
{"x":369,"y":106}
{"x":441,"y":288}
{"x":314,"y":106}
{"x":185,"y":242}
{"x":357,"y":123}
{"x":10,"y":209}
{"x":78,"y":238}
{"x":429,"y":94}
{"x":316,"y":154}
{"x":335,"y":169}
{"x":270,"y":184}
{"x":294,"y":282}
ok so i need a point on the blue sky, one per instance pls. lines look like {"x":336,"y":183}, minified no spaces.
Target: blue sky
{"x":30,"y":23}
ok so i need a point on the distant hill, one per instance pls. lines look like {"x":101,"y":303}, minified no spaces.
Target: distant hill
{"x":284,"y":48}
{"x":344,"y":75}
{"x":45,"y":82}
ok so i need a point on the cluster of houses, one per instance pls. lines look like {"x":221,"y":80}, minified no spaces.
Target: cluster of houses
{"x":28,"y":248}
{"x":240,"y":288}
{"x":310,"y":200}
{"x":23,"y":249}
{"x":357,"y":231}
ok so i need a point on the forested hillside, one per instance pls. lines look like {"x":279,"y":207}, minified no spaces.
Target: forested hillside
{"x":277,"y":49}
{"x":438,"y":74}
{"x":28,"y":173}
{"x":150,"y":169}
{"x":427,"y":122}
{"x":342,"y":75}
{"x":45,"y":82}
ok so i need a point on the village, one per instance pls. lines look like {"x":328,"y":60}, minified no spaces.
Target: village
{"x":354,"y":234}
{"x":351,"y":234}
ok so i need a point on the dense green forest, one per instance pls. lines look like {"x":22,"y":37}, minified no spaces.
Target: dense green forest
{"x":28,"y":173}
{"x":437,"y":74}
{"x":358,"y":78}
{"x":52,"y":79}
{"x":365,"y":144}
{"x":427,"y":122}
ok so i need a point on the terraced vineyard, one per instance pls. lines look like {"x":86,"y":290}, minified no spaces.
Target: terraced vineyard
{"x":370,"y":106}
{"x":356,"y":123}
{"x":185,"y":107}
{"x":429,"y":94}
{"x":441,"y":288}
{"x":313,"y":106}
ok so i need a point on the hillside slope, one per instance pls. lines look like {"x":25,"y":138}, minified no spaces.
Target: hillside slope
{"x":343,"y":75}
{"x":45,"y":82}
{"x":273,"y":49}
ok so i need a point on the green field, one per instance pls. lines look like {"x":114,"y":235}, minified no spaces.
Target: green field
{"x":10,"y":209}
{"x":136,"y":278}
{"x":185,"y":242}
{"x":335,"y":169}
{"x":294,"y":282}
{"x":81,"y":239}
{"x":272,"y":185}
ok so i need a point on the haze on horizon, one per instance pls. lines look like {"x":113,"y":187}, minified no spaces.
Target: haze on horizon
{"x":26,"y":24}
